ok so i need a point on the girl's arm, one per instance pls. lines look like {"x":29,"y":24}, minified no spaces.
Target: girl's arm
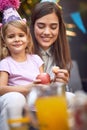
{"x":4,"y":88}
{"x":41,"y":69}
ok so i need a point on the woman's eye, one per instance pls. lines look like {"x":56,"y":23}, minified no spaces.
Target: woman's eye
{"x":40,"y":25}
{"x":54,"y":26}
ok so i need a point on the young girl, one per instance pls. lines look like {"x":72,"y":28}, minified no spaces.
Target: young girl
{"x":18,"y":66}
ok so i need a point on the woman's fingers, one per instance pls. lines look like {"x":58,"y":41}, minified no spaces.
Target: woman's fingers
{"x":62,"y":76}
{"x":55,"y":69}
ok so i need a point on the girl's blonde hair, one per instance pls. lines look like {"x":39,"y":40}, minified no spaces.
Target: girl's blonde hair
{"x":4,"y":52}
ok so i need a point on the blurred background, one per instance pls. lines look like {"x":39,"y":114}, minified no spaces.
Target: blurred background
{"x":75,"y":17}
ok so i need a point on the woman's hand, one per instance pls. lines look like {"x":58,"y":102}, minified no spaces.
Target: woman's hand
{"x":61,"y":75}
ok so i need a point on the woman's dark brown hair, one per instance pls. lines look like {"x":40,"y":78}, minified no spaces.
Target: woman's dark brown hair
{"x":60,"y":49}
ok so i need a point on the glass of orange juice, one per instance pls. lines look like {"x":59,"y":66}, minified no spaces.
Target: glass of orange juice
{"x":51,"y":109}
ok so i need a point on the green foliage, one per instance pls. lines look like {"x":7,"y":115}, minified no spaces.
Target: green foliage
{"x":26,"y":7}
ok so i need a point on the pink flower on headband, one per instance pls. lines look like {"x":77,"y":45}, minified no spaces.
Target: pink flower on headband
{"x":9,"y":3}
{"x":8,"y":8}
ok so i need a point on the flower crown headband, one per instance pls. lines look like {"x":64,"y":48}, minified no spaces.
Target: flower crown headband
{"x":8,"y":8}
{"x":54,"y":1}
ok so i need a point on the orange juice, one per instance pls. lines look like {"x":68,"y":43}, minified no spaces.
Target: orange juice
{"x":52,"y":113}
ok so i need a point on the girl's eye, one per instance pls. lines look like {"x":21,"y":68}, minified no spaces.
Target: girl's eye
{"x":10,"y":36}
{"x":21,"y":35}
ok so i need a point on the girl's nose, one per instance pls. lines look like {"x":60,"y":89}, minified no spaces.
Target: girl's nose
{"x":17,"y":38}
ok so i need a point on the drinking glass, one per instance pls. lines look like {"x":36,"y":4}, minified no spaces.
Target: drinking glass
{"x":51,"y":107}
